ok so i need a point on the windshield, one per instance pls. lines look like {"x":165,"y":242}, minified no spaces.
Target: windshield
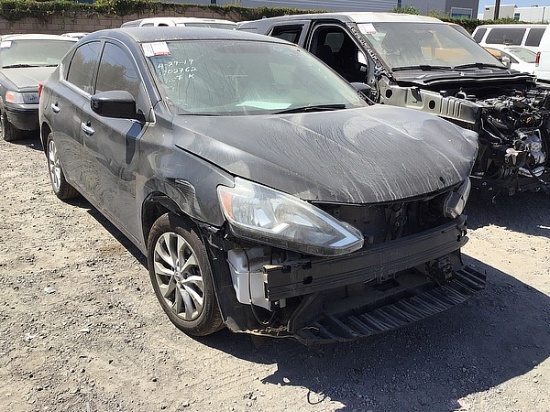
{"x":524,"y":54}
{"x":421,"y":44}
{"x":245,"y":77}
{"x":33,"y":52}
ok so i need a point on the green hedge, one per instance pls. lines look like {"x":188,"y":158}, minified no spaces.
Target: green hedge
{"x":14,"y":10}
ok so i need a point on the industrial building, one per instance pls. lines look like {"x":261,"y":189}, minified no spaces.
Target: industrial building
{"x":453,"y":8}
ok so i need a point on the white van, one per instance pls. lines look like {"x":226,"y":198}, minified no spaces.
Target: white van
{"x":542,"y":61}
{"x":525,"y":35}
{"x":181,"y":22}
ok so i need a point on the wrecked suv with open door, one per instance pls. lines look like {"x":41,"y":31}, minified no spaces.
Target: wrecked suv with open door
{"x":266,"y":194}
{"x":425,"y":64}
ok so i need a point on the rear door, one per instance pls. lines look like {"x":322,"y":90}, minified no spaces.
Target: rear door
{"x":64,"y":110}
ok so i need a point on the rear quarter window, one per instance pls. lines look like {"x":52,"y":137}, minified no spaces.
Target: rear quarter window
{"x":478,"y":35}
{"x":534,"y":37}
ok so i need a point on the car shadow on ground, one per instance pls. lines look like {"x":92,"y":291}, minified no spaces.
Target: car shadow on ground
{"x":494,"y":337}
{"x":81,"y":202}
{"x":30,"y":140}
{"x":508,"y":213}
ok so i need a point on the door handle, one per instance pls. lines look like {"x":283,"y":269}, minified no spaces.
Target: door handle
{"x":87,"y":128}
{"x":55,"y":108}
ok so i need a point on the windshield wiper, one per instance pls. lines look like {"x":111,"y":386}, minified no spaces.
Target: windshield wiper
{"x":478,"y":66}
{"x":423,"y":67}
{"x":313,"y":108}
{"x":14,"y":66}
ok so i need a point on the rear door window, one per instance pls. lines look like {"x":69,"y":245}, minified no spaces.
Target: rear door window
{"x":288,"y":33}
{"x":509,"y":35}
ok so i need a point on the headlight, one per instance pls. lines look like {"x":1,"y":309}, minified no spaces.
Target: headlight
{"x":455,"y":202}
{"x":266,"y":215}
{"x":22,"y":98}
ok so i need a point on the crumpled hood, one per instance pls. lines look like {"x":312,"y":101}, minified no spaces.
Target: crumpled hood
{"x":365,"y":155}
{"x":27,"y":77}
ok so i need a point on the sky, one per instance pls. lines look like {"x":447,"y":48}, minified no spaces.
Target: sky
{"x":518,"y":3}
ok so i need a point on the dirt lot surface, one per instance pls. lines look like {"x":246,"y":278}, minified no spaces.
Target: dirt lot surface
{"x":81,"y":330}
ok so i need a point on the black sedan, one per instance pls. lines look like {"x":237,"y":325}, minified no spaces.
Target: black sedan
{"x":268,"y":196}
{"x":25,"y":61}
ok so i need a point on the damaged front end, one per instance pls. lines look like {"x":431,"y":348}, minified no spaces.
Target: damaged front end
{"x":407,"y":268}
{"x":514,"y":143}
{"x":512,"y":123}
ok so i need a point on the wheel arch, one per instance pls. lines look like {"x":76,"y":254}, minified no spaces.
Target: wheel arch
{"x":235,"y":315}
{"x":155,"y":206}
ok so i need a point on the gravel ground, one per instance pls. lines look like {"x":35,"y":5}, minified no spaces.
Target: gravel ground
{"x":81,"y":330}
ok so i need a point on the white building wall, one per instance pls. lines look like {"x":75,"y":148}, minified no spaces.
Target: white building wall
{"x":533,"y":14}
{"x":506,"y":12}
{"x":539,"y":14}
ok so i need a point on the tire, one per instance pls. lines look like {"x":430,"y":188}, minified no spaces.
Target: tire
{"x":9,"y":131}
{"x":182,"y":277}
{"x":61,"y":188}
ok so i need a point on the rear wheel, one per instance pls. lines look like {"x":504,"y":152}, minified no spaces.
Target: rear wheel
{"x":182,"y":277}
{"x":9,"y":131}
{"x":61,"y":188}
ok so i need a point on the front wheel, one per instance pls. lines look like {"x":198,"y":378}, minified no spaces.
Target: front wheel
{"x":61,"y":188}
{"x":182,"y":277}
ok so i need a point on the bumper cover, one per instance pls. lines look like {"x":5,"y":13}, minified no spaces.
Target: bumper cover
{"x":395,"y":311}
{"x":23,"y":118}
{"x":371,"y":263}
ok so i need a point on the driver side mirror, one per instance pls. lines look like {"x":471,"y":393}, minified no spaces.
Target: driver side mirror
{"x":118,"y":104}
{"x":505,"y":60}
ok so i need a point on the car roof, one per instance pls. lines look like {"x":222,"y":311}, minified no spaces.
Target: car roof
{"x":179,"y":20}
{"x":35,"y":37}
{"x":163,"y":33}
{"x":519,"y":25}
{"x":357,"y":17}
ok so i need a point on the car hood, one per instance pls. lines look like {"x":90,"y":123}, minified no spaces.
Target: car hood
{"x":27,"y":77}
{"x":366,"y":155}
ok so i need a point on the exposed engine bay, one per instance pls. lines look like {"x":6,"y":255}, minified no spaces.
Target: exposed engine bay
{"x":512,"y":122}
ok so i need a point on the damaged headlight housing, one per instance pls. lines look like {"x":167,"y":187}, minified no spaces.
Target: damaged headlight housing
{"x":262,"y":214}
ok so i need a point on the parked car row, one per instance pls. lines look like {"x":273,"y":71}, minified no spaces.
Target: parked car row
{"x":269,"y":189}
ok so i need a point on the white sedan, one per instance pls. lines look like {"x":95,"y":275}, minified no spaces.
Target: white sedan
{"x":521,"y":58}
